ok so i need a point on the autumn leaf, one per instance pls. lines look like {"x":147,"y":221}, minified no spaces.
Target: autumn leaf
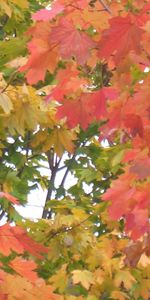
{"x":22,"y":3}
{"x":25,"y":268}
{"x":5,"y":103}
{"x":48,"y":14}
{"x":84,"y":277}
{"x":124,"y":277}
{"x":88,"y":108}
{"x":9,"y":197}
{"x":141,"y":168}
{"x":16,"y":239}
{"x":43,"y":54}
{"x":72,"y":42}
{"x":119,"y":295}
{"x":123,"y":35}
{"x":133,"y":253}
{"x":68,"y":83}
{"x":60,"y":139}
{"x":134,"y":123}
{"x":16,"y":287}
{"x":6,"y":8}
{"x":59,"y":280}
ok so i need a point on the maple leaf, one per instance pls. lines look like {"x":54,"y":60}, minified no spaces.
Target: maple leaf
{"x":59,"y":280}
{"x":84,"y":277}
{"x":118,"y":295}
{"x":134,"y":123}
{"x":48,"y":14}
{"x":6,"y":103}
{"x":86,"y":109}
{"x":61,"y":139}
{"x":133,"y":253}
{"x":16,"y":287}
{"x":72,"y":42}
{"x":9,"y":197}
{"x":121,"y":189}
{"x":69,"y":83}
{"x":137,"y":222}
{"x":25,"y":268}
{"x":125,"y":277}
{"x":142,"y":168}
{"x":16,"y":239}
{"x":43,"y":54}
{"x":124,"y":35}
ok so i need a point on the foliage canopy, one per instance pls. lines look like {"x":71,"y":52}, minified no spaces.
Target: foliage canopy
{"x":74,"y":96}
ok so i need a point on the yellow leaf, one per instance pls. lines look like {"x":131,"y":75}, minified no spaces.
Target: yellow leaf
{"x":5,"y":7}
{"x":1,"y":149}
{"x":79,"y":214}
{"x":99,"y":276}
{"x":5,"y":103}
{"x":21,"y":3}
{"x":59,"y":280}
{"x":17,"y":62}
{"x":61,"y":139}
{"x":144,"y":260}
{"x":119,"y":295}
{"x":125,"y":277}
{"x":142,"y":289}
{"x":84,"y":277}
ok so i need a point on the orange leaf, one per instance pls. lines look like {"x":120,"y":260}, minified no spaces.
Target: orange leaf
{"x":25,"y":268}
{"x":9,"y":197}
{"x":16,"y":239}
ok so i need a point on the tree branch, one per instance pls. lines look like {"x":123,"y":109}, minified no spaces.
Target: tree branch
{"x":106,"y":7}
{"x":12,"y":76}
{"x":2,"y":215}
{"x":53,"y":166}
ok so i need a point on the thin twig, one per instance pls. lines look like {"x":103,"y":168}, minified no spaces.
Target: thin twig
{"x":12,"y":76}
{"x":66,"y":229}
{"x":106,"y":7}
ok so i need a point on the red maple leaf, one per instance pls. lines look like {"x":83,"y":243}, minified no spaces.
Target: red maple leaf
{"x":69,"y":83}
{"x":134,"y":123}
{"x":48,"y":14}
{"x":86,"y":109}
{"x":129,"y":201}
{"x":16,"y":239}
{"x":137,"y":223}
{"x":123,"y":35}
{"x":72,"y":42}
{"x":141,"y":168}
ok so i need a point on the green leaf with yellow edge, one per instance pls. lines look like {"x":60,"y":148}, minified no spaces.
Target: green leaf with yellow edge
{"x":84,"y":277}
{"x":10,"y":49}
{"x":117,"y":158}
